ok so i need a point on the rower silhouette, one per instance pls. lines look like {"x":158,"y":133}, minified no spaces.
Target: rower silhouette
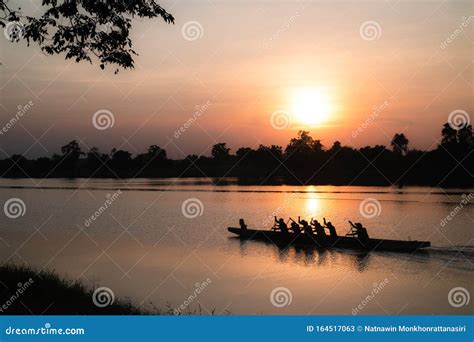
{"x":332,"y":229}
{"x":295,"y":227}
{"x":306,"y":226}
{"x":242,"y":224}
{"x":318,"y":228}
{"x":360,"y":232}
{"x":280,"y":225}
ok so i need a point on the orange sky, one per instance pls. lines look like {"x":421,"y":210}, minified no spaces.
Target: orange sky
{"x":250,"y":60}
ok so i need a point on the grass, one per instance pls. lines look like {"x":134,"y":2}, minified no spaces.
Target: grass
{"x":24,"y":291}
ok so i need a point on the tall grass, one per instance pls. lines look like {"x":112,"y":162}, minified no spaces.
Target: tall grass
{"x":25,"y":291}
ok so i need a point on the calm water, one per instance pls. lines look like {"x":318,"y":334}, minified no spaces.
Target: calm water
{"x":143,"y":247}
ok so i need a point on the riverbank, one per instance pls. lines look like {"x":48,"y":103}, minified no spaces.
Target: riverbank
{"x":26,"y":291}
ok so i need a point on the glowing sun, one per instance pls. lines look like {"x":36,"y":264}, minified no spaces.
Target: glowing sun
{"x":310,"y":106}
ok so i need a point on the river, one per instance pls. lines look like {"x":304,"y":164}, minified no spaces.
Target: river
{"x":164,"y":242}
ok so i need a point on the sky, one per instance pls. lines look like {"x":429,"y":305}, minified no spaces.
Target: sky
{"x":249,"y":73}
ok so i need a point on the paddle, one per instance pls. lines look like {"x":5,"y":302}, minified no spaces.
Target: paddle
{"x":350,"y":229}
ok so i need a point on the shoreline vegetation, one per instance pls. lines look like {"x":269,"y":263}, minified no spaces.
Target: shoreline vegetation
{"x":28,"y":292}
{"x":304,"y":161}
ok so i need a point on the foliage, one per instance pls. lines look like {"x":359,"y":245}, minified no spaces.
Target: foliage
{"x":400,"y":144}
{"x":82,"y":29}
{"x":303,"y":161}
{"x":49,"y":294}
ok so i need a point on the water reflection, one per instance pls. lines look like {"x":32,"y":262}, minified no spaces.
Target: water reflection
{"x":312,"y":206}
{"x":307,"y":255}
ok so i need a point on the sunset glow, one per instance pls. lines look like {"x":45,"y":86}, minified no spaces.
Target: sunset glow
{"x":326,"y":80}
{"x":310,"y":106}
{"x":312,"y":205}
{"x":303,"y":169}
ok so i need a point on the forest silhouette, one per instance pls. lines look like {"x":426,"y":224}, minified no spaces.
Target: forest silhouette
{"x":304,"y":161}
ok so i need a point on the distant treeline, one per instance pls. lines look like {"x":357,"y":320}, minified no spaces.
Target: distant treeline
{"x":303,"y":161}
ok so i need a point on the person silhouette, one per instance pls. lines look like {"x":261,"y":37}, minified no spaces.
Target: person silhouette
{"x":318,"y":228}
{"x":242,"y":224}
{"x":332,"y":229}
{"x":295,"y":227}
{"x":360,"y":232}
{"x":281,"y":225}
{"x":306,"y":226}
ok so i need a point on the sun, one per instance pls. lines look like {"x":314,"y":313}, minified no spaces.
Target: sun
{"x":310,"y":106}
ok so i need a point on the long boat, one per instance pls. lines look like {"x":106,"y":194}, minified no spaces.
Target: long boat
{"x":327,"y":242}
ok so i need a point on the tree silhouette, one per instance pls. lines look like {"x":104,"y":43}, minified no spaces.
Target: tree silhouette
{"x":156,"y":152}
{"x":121,"y":160}
{"x":336,"y":146}
{"x":82,"y":29}
{"x":302,"y":144}
{"x":153,"y":160}
{"x":449,"y":135}
{"x":466,"y":137}
{"x":72,"y":151}
{"x":220,"y":151}
{"x":399,"y":144}
{"x":305,"y":161}
{"x":95,"y":161}
{"x":69,"y":160}
{"x":463,"y":136}
{"x":243,"y":152}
